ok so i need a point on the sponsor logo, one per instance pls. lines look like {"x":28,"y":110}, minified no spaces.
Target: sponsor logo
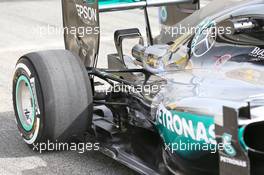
{"x":222,"y":60}
{"x":233,"y":161}
{"x":228,"y":148}
{"x":87,"y":13}
{"x":163,"y":14}
{"x":204,"y":39}
{"x":257,"y":53}
{"x":186,"y":127}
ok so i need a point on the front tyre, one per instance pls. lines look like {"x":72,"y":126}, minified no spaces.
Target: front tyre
{"x":52,"y":97}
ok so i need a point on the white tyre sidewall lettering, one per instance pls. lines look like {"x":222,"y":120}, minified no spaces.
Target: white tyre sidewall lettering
{"x":24,"y":67}
{"x":37,"y":123}
{"x":35,"y":135}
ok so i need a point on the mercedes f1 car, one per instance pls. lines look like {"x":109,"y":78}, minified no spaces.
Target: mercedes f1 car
{"x":189,"y":103}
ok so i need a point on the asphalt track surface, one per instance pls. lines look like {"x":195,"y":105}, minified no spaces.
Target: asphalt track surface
{"x":22,"y":23}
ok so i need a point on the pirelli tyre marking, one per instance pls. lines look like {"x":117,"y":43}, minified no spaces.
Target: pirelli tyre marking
{"x":26,"y":103}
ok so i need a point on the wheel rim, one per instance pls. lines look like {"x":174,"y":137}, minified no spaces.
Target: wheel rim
{"x":25,"y":103}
